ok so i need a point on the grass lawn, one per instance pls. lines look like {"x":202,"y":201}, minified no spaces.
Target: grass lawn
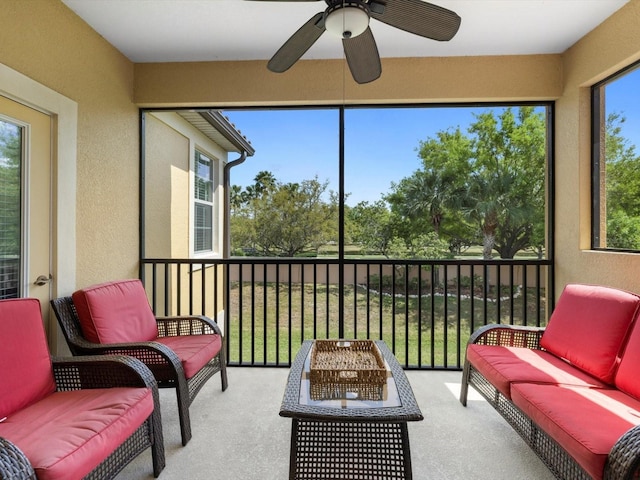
{"x":268,"y":322}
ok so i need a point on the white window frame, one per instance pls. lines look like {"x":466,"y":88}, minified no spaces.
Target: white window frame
{"x":214,"y":204}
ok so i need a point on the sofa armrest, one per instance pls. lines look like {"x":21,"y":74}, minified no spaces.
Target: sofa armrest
{"x":623,"y":462}
{"x":102,"y":371}
{"x":508,"y":336}
{"x":14,"y":464}
{"x":187,"y":325}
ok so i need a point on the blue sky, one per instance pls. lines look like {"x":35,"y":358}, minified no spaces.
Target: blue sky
{"x":380,"y":143}
{"x":623,"y":97}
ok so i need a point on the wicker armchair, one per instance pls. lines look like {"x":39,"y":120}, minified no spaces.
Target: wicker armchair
{"x":79,"y":373}
{"x":165,"y":363}
{"x":77,"y":417}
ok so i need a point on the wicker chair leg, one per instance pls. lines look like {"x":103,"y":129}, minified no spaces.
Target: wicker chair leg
{"x":157,"y":445}
{"x":223,"y":369}
{"x":464,"y":387}
{"x":185,"y":419}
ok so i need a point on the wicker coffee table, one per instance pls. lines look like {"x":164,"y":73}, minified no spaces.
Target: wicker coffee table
{"x":349,"y":438}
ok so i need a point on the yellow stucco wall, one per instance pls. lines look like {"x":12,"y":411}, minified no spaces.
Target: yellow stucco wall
{"x":404,"y":80}
{"x":47,"y":42}
{"x":607,"y":49}
{"x":167,"y":191}
{"x":170,"y":142}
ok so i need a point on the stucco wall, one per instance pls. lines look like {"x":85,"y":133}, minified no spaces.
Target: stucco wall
{"x":167,"y":191}
{"x":170,"y":145}
{"x":47,"y":42}
{"x":607,"y":49}
{"x":405,"y":80}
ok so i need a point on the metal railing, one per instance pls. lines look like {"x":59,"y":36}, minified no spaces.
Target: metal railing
{"x":9,"y":277}
{"x":424,"y":310}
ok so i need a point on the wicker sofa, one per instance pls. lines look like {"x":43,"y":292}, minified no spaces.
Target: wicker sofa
{"x":70,"y":419}
{"x":572,"y":389}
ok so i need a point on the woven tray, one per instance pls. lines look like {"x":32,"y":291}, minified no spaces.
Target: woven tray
{"x":346,"y":369}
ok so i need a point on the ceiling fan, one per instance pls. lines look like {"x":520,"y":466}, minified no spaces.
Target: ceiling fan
{"x":349,"y":20}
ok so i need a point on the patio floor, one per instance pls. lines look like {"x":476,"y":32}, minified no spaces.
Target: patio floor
{"x":238,"y":434}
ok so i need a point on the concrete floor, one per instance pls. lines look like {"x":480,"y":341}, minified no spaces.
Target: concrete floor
{"x":238,"y":434}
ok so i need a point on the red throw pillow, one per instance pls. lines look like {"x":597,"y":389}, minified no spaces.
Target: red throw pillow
{"x":26,"y":375}
{"x":588,"y":327}
{"x":115,"y":312}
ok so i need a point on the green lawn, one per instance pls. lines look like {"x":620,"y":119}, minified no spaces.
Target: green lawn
{"x":420,"y":332}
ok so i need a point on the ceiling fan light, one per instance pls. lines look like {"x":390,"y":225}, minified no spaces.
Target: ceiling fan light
{"x":348,"y":21}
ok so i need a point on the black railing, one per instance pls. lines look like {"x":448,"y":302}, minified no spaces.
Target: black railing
{"x":424,"y":310}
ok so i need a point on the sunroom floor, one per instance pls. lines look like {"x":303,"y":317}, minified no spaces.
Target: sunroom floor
{"x":238,"y":434}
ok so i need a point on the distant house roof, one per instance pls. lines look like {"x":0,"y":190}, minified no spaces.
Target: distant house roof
{"x":219,"y":129}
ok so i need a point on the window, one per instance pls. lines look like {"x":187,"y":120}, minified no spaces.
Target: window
{"x":615,"y":162}
{"x":10,"y":209}
{"x":204,"y":174}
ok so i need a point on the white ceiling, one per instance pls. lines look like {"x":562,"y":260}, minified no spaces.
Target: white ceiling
{"x":209,"y":30}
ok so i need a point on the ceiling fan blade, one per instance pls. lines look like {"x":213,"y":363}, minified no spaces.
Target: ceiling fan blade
{"x":418,"y":17}
{"x":297,"y":45}
{"x":363,"y":57}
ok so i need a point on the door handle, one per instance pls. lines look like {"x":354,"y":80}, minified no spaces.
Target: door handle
{"x":42,"y":280}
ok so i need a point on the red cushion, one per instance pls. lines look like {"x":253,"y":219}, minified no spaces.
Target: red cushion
{"x":115,"y":312}
{"x":66,"y":435}
{"x":627,"y":378}
{"x":25,"y":364}
{"x":586,"y":422}
{"x":194,"y":351}
{"x":505,"y":365}
{"x":588,"y":327}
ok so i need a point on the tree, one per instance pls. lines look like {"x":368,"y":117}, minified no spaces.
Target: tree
{"x":510,"y":153}
{"x":422,"y":197}
{"x":485,"y":204}
{"x":372,"y":225}
{"x":285,"y":219}
{"x":422,"y":246}
{"x":235,"y":198}
{"x":622,"y":187}
{"x":242,"y":210}
{"x":491,"y":182}
{"x":431,"y":197}
{"x":265,"y":183}
{"x":10,"y":155}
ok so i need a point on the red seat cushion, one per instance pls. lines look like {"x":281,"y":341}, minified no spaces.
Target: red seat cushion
{"x":586,"y":422}
{"x":503,"y":366}
{"x":627,"y":377}
{"x":115,"y":312}
{"x":25,"y":364}
{"x":588,"y":327}
{"x":194,"y":351}
{"x":67,"y":434}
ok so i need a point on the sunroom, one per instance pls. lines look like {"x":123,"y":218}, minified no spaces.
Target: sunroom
{"x":95,"y":219}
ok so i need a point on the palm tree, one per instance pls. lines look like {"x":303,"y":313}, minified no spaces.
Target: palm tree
{"x":264,"y":182}
{"x":486,"y":205}
{"x":235,"y":197}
